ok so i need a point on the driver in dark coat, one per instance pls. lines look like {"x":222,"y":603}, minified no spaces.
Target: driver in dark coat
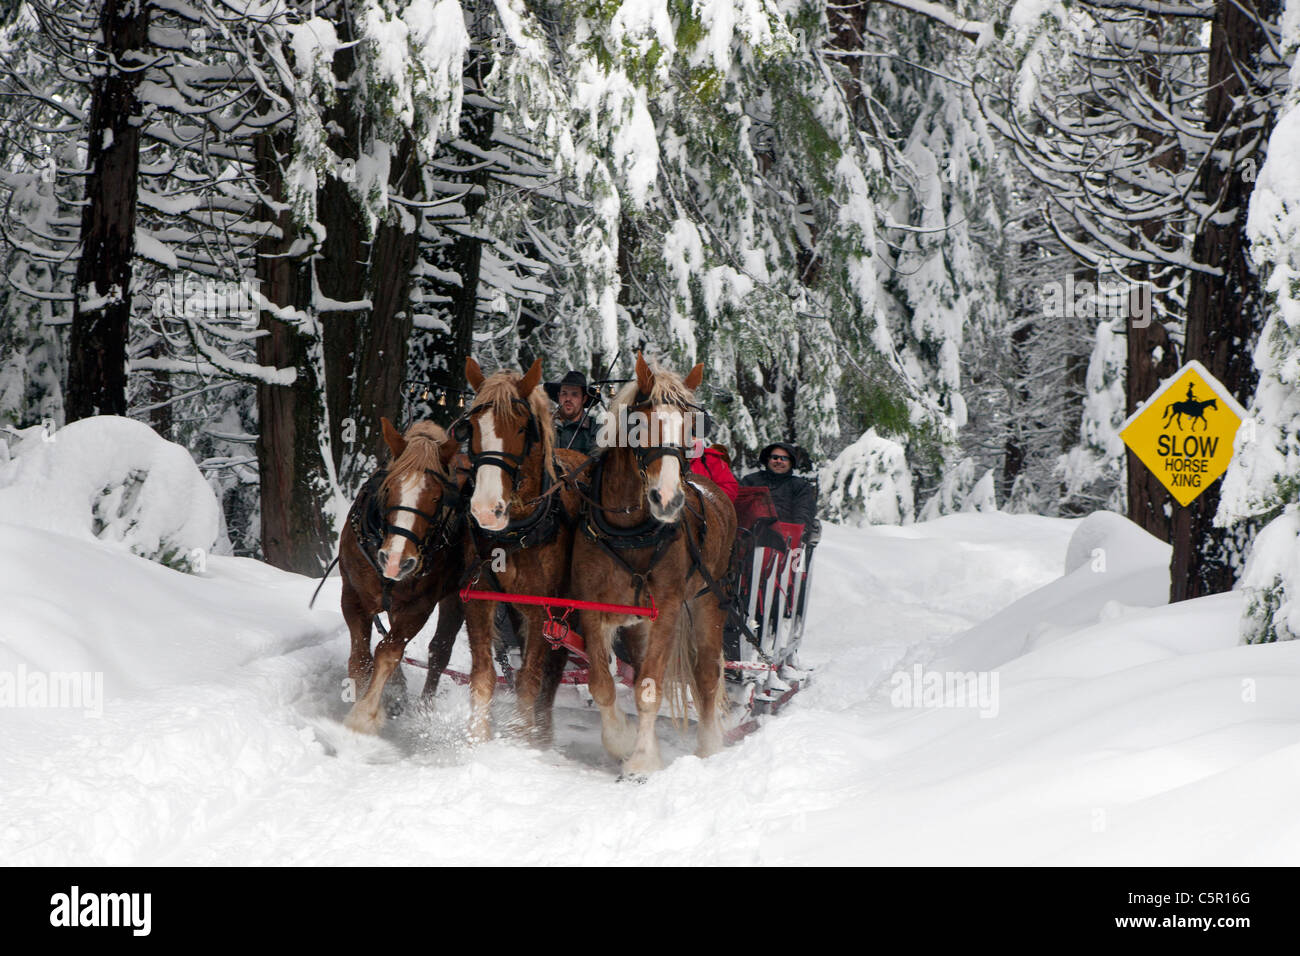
{"x":794,"y":497}
{"x":575,"y":426}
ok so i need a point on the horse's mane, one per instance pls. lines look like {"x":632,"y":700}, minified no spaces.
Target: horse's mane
{"x":422,"y":453}
{"x":668,"y":389}
{"x":498,"y":392}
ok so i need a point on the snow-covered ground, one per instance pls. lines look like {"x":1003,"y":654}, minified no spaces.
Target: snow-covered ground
{"x":1120,"y":731}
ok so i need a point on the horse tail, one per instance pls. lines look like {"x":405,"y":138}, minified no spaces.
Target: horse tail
{"x":1168,"y":408}
{"x":679,"y":674}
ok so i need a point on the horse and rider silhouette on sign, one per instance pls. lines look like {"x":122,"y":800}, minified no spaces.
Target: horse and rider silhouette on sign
{"x":1192,"y":407}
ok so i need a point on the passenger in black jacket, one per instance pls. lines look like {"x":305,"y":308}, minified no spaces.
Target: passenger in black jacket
{"x":794,"y":497}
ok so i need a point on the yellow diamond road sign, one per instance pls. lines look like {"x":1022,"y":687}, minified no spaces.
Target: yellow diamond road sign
{"x":1184,"y":432}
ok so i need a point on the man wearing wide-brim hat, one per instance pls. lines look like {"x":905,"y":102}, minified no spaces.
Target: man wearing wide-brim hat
{"x":575,"y":426}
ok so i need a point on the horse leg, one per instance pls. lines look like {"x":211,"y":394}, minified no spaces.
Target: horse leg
{"x":368,"y":712}
{"x":552,"y":673}
{"x":649,"y":693}
{"x":709,"y":625}
{"x":529,"y":679}
{"x":360,"y":663}
{"x":615,"y":732}
{"x":538,"y":681}
{"x":483,"y":674}
{"x":451,"y":615}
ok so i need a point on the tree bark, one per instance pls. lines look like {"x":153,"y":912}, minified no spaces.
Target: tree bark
{"x":1147,"y":497}
{"x":1014,"y":451}
{"x":385,"y":337}
{"x":1152,"y":356}
{"x":294,"y":490}
{"x":102,"y":306}
{"x":1224,"y":312}
{"x":341,"y":269}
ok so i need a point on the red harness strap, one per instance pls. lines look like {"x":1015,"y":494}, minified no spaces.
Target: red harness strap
{"x":536,"y":600}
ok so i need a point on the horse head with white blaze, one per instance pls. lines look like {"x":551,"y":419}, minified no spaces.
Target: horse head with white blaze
{"x":412,"y":495}
{"x":655,"y":417}
{"x":508,"y":423}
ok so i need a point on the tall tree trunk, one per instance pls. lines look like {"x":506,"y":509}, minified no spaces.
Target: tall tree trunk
{"x":1152,"y":355}
{"x":294,"y":487}
{"x":1079,"y":333}
{"x":102,"y":306}
{"x":1224,"y":312}
{"x":341,"y":272}
{"x":1014,"y":450}
{"x":1148,"y":500}
{"x":385,"y":338}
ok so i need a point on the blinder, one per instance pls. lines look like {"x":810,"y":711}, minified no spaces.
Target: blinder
{"x":440,"y":525}
{"x":647,"y":455}
{"x":462,"y":430}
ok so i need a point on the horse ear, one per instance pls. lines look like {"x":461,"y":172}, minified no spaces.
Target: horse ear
{"x":697,"y":375}
{"x":644,"y":378}
{"x":473,"y":374}
{"x":393,"y":438}
{"x":532,"y":378}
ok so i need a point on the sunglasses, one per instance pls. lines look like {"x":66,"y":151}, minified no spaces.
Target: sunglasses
{"x":778,"y":457}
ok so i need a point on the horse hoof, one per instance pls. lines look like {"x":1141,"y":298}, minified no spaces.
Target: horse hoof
{"x":363,"y":723}
{"x":633,"y":777}
{"x":619,"y":745}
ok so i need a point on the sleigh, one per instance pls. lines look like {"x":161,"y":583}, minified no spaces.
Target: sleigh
{"x":771,"y":577}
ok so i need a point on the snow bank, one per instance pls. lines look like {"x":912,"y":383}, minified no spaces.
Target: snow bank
{"x":112,"y":479}
{"x":188,"y":719}
{"x":868,"y":483}
{"x":1110,"y":564}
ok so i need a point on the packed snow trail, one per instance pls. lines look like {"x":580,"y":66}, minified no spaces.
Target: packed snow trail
{"x":1122,"y":734}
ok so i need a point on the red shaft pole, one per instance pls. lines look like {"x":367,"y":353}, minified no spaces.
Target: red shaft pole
{"x":651,"y":612}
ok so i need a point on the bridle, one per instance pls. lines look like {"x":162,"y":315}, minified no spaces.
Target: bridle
{"x":651,"y":533}
{"x":441,"y":526}
{"x":463,"y":431}
{"x":647,"y":455}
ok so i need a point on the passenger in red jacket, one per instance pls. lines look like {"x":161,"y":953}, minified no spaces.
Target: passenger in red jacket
{"x":711,"y":461}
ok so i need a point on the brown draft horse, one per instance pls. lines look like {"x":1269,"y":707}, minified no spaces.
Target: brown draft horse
{"x":401,"y":549}
{"x":635,"y":546}
{"x":518,"y":541}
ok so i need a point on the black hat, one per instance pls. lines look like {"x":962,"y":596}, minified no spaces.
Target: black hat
{"x":789,"y":449}
{"x":572,"y":377}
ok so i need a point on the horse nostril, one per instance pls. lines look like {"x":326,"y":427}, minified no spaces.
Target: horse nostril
{"x":383,"y":557}
{"x":655,"y":497}
{"x":408,"y":565}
